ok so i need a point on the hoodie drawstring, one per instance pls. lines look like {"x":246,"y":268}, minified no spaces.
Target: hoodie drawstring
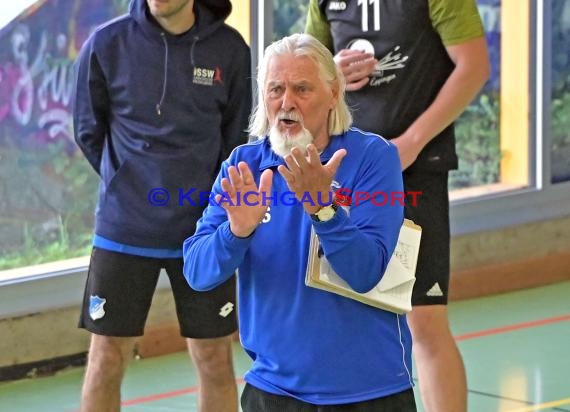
{"x":196,"y":38}
{"x":159,"y":104}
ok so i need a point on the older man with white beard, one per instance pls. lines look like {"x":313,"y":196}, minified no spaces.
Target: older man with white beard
{"x":311,"y":350}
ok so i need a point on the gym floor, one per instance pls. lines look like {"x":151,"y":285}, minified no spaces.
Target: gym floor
{"x":515,"y":346}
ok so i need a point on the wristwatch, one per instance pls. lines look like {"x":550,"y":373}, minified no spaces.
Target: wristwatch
{"x":325,"y":213}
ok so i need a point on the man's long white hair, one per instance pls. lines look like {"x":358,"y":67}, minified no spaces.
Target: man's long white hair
{"x":340,"y":118}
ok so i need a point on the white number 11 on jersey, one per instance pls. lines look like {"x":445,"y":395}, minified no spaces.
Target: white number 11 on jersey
{"x":376,"y":10}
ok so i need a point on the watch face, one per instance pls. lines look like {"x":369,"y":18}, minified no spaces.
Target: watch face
{"x":326,"y":213}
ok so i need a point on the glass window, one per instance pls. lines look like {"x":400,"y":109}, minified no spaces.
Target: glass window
{"x":477,"y":129}
{"x":560,"y":98}
{"x":289,"y":17}
{"x":47,"y":189}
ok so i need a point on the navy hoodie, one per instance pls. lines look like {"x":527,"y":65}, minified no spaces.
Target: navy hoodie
{"x":155,"y":114}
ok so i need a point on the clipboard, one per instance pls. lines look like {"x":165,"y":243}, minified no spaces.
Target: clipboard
{"x":392,"y":293}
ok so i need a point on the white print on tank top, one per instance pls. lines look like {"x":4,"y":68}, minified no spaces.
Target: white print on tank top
{"x":393,"y":60}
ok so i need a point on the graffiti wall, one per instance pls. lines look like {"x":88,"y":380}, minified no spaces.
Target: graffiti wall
{"x":47,"y":191}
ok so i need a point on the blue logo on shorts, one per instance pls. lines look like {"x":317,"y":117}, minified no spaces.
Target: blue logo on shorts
{"x":96,"y":307}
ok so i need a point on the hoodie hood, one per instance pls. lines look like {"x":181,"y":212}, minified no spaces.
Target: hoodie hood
{"x":210,"y":15}
{"x":220,"y":8}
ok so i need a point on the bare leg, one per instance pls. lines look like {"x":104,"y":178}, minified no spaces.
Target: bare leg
{"x":213,"y":360}
{"x":106,"y":365}
{"x":443,"y":385}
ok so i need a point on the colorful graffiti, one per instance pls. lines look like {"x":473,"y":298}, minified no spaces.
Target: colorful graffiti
{"x":36,"y":58}
{"x":47,"y":190}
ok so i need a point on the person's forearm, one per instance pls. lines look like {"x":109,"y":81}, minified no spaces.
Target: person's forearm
{"x":92,"y":148}
{"x":456,"y":94}
{"x":211,"y":259}
{"x":358,"y":257}
{"x":359,"y":261}
{"x":458,"y":91}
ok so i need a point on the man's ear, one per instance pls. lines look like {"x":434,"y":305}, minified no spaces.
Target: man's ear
{"x":335,"y":92}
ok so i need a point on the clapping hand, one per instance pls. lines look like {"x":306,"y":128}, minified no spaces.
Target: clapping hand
{"x":306,"y":176}
{"x":243,"y":200}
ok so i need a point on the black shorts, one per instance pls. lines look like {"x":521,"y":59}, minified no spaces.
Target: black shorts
{"x":120,"y":288}
{"x":256,"y":400}
{"x":431,"y":212}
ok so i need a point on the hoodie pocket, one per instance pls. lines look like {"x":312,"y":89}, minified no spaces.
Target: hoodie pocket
{"x":143,"y":196}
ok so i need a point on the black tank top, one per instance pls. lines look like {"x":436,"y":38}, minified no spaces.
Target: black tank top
{"x":413,"y":66}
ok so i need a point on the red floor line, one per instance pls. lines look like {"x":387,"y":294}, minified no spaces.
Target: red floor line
{"x":466,"y":336}
{"x":510,"y":328}
{"x":171,"y":394}
{"x":159,"y":396}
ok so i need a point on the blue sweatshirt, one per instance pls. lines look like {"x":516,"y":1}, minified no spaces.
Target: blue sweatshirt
{"x":155,"y":110}
{"x":306,"y":343}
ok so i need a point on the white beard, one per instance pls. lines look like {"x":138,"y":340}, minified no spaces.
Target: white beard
{"x":282,"y":143}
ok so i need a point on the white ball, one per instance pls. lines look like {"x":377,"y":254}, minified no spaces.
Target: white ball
{"x":362,"y":45}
